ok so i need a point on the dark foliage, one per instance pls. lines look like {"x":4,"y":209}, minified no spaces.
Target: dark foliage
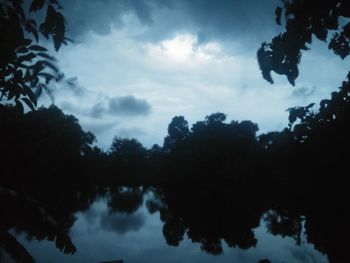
{"x":26,"y":67}
{"x":304,"y":20}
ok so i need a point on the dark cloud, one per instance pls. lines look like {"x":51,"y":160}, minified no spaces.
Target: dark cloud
{"x":98,"y":110}
{"x":122,"y":106}
{"x":100,"y":16}
{"x":229,"y":19}
{"x":303,"y":92}
{"x":210,"y":19}
{"x":128,"y":105}
{"x":122,"y":223}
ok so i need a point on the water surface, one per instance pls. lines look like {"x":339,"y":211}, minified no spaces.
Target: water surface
{"x":100,"y":234}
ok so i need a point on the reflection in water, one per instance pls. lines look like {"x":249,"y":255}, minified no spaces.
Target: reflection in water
{"x":173,"y":223}
{"x":95,"y":243}
{"x":23,"y":213}
{"x":145,"y":225}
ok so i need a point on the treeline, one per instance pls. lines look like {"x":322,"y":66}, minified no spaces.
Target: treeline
{"x":47,"y":143}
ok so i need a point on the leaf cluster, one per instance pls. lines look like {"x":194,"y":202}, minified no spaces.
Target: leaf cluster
{"x":303,"y":21}
{"x":26,"y":67}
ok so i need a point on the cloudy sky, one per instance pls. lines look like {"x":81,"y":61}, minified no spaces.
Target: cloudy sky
{"x":138,"y":63}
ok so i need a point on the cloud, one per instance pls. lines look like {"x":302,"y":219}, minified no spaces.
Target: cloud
{"x":98,"y":110}
{"x":303,"y":92}
{"x":128,"y":105}
{"x":121,"y":223}
{"x":121,"y":106}
{"x":159,"y":19}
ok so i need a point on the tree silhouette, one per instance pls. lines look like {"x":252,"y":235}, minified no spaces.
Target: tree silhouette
{"x":177,"y":130}
{"x":26,"y":68}
{"x":128,"y":158}
{"x":304,"y":20}
{"x":45,"y":138}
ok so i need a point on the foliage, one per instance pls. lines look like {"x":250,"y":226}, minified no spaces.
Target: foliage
{"x":45,"y":138}
{"x":26,"y":68}
{"x":177,"y":131}
{"x":37,"y":217}
{"x":127,"y":155}
{"x":304,"y":20}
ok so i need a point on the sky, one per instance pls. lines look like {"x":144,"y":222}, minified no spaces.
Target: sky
{"x":138,"y":63}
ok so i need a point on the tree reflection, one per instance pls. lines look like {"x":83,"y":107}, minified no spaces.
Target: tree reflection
{"x":207,"y":216}
{"x":124,"y":199}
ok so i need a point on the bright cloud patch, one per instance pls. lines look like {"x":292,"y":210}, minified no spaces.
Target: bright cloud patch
{"x":184,"y":51}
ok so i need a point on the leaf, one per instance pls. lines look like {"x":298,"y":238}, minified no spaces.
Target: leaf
{"x":27,"y":57}
{"x":27,"y":42}
{"x":38,"y":66}
{"x":23,"y":66}
{"x":19,"y":107}
{"x":310,"y":106}
{"x":47,"y":76}
{"x":38,"y":91}
{"x":48,"y":25}
{"x":278,"y":13}
{"x":22,"y":50}
{"x":36,"y":5}
{"x":11,"y":94}
{"x":292,"y":117}
{"x":34,"y":31}
{"x":19,"y":10}
{"x":29,"y":103}
{"x":27,"y":75}
{"x":28,"y":91}
{"x":58,"y":37}
{"x":52,"y":66}
{"x":18,"y":76}
{"x":32,"y":22}
{"x":44,"y":55}
{"x":60,"y":76}
{"x":37,"y":48}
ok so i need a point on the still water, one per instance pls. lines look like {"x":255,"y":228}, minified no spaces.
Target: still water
{"x":100,"y":234}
